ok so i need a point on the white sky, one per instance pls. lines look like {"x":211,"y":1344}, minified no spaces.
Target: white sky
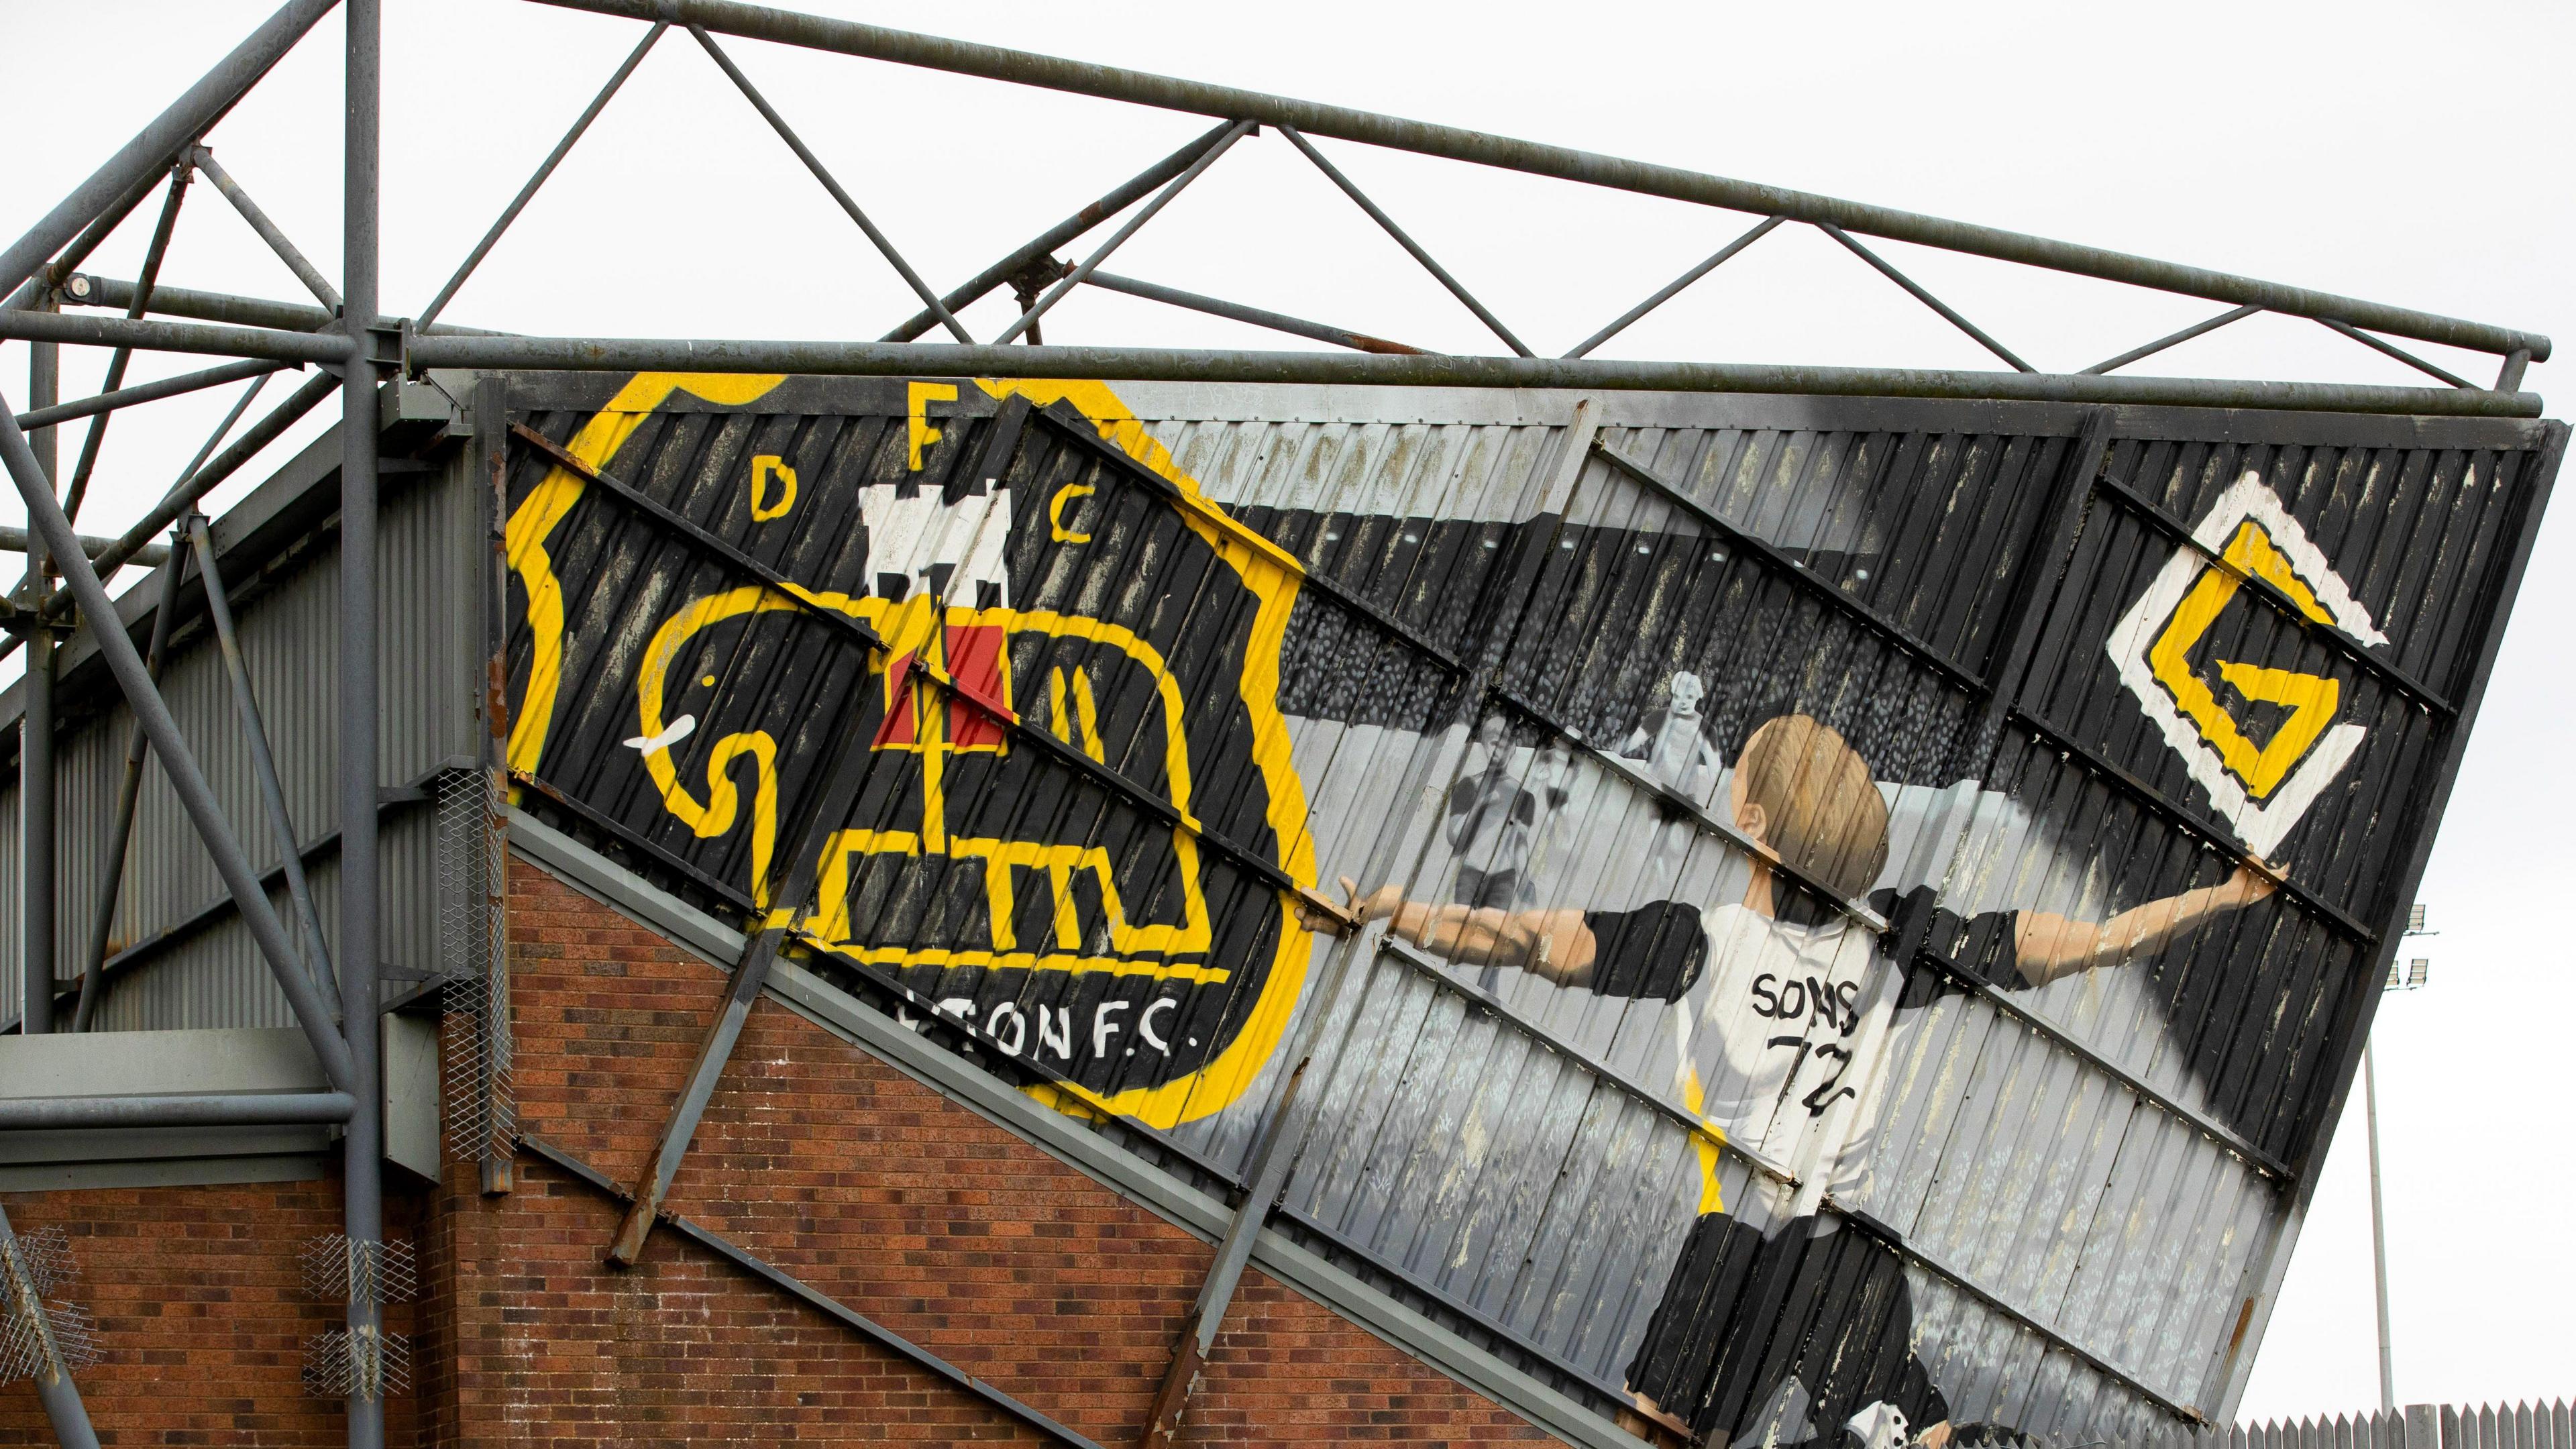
{"x":2412,"y":154}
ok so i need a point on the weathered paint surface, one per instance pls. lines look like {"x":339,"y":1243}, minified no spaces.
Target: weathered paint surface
{"x":1871,"y":905}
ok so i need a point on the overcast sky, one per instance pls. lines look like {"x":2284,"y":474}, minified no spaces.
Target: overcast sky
{"x":2415,"y":155}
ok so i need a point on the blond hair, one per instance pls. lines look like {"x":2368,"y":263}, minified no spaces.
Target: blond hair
{"x":1821,"y":809}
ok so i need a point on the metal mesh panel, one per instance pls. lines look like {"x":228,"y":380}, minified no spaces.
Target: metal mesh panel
{"x":33,"y":1266}
{"x":340,"y":1364}
{"x":481,"y":1111}
{"x":337,"y":1270}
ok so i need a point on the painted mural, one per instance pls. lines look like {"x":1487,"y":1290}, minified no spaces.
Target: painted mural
{"x":1819,"y":935}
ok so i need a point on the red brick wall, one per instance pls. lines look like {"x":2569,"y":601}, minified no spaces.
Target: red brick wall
{"x":200,"y":1310}
{"x":817,"y":1157}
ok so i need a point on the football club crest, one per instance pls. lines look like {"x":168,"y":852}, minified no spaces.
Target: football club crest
{"x":2261,"y":779}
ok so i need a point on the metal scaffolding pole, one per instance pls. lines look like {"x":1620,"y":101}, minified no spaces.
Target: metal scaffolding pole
{"x":1157,"y":364}
{"x":36,"y":729}
{"x":362,"y":1206}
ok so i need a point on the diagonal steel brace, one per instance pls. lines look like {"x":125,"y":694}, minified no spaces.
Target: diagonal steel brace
{"x":830,"y":805}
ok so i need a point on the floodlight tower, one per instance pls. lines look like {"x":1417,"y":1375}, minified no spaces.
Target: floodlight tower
{"x":2410,"y":977}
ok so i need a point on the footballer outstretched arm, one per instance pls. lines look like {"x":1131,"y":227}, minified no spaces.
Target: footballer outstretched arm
{"x":2047,"y":946}
{"x":1555,"y":944}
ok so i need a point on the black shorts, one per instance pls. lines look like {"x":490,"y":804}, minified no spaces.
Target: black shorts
{"x":1654,"y":951}
{"x":1743,"y":1314}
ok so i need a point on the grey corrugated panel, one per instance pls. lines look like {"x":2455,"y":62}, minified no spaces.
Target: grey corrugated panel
{"x":286,"y":605}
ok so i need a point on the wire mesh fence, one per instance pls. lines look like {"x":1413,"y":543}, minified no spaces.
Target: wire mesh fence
{"x":480,"y":1110}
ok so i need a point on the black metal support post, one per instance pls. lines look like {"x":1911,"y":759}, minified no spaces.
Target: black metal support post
{"x":362,"y":1176}
{"x":544,"y":170}
{"x":1118,"y":238}
{"x":36,"y":731}
{"x":54,"y":1386}
{"x":129,"y":792}
{"x":263,"y":764}
{"x":814,"y":164}
{"x":187,"y":781}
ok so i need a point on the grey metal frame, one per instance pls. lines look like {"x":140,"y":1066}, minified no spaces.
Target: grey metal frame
{"x":358,"y":349}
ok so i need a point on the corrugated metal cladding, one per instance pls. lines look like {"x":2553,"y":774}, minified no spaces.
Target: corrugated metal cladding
{"x":179,"y":956}
{"x":1869,"y":906}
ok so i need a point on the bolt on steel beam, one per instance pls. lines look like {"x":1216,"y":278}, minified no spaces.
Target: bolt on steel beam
{"x":545,"y":169}
{"x":1117,"y":239}
{"x":129,"y":792}
{"x":99,"y":617}
{"x":840,"y":196}
{"x":1674,"y":287}
{"x":1126,"y":194}
{"x":1459,"y":143}
{"x":159,"y":143}
{"x":1405,"y":240}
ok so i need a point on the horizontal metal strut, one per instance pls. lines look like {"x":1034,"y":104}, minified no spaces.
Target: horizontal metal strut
{"x":1160,"y":364}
